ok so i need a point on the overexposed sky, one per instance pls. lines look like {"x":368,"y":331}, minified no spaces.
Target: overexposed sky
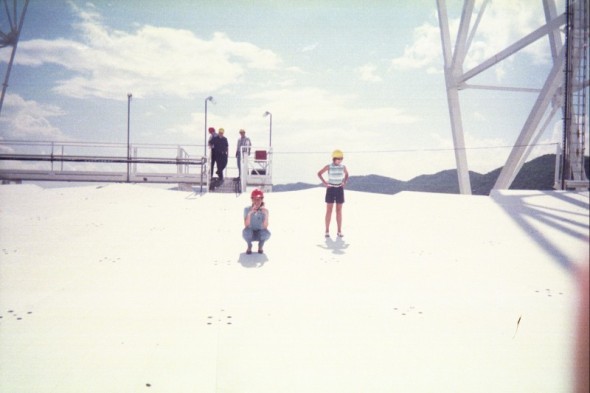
{"x":364,"y":77}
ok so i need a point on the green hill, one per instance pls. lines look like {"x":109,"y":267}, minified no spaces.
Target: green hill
{"x":537,"y":174}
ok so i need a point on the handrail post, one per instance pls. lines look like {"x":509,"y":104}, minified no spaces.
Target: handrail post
{"x":244,"y":170}
{"x":129,"y":95}
{"x":134,"y":171}
{"x":112,"y":158}
{"x":52,"y":147}
{"x":179,"y":169}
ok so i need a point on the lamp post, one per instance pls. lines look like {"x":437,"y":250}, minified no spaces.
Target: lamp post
{"x":267,"y":113}
{"x":129,"y":95}
{"x":210,"y":98}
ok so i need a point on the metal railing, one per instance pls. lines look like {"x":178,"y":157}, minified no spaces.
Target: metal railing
{"x":256,"y":167}
{"x":579,"y":184}
{"x":87,"y":161}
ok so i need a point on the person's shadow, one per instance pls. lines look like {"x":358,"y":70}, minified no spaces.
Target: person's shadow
{"x":252,"y":260}
{"x":337,"y":246}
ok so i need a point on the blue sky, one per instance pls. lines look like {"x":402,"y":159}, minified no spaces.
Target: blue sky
{"x":364,"y":77}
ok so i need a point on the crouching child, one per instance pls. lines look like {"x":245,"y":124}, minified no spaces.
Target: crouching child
{"x":256,"y":222}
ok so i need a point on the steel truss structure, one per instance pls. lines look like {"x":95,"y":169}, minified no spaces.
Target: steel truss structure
{"x":564,"y":87}
{"x":11,"y":36}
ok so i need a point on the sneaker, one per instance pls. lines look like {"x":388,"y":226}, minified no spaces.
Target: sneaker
{"x":340,"y":234}
{"x":327,"y":234}
{"x":249,"y":251}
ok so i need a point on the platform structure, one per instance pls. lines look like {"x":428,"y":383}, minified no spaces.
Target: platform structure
{"x":256,"y":168}
{"x":126,"y":288}
{"x":101,"y":162}
{"x":254,"y":171}
{"x":146,"y":163}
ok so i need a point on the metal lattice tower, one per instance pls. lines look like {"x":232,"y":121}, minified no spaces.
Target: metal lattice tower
{"x":12,"y":24}
{"x":576,"y":104}
{"x":564,"y":87}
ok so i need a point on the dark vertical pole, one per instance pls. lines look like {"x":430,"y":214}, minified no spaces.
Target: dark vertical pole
{"x":128,"y":133}
{"x":270,"y":137}
{"x":205,"y":141}
{"x":566,"y":102}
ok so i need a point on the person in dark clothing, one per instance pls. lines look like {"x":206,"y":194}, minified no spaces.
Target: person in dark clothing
{"x":212,"y":135}
{"x":220,"y":148}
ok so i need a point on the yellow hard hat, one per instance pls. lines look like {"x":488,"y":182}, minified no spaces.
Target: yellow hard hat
{"x":337,"y":154}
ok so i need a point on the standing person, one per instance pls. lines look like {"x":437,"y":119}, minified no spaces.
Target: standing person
{"x":212,"y":135}
{"x":256,"y":222}
{"x":221,"y":146}
{"x":337,"y":178}
{"x":243,"y":141}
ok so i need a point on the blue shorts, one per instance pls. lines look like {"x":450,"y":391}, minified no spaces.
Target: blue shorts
{"x":335,"y":194}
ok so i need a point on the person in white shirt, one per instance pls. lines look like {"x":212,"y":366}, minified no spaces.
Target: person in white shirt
{"x":243,"y":141}
{"x":337,"y":178}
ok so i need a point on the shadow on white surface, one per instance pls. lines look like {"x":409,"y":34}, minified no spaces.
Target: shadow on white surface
{"x":337,"y":246}
{"x":548,"y":217}
{"x":254,"y":260}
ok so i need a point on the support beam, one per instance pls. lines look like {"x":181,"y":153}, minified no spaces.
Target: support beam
{"x":517,"y":155}
{"x":12,"y":40}
{"x":518,"y":45}
{"x":550,"y":98}
{"x":451,"y":71}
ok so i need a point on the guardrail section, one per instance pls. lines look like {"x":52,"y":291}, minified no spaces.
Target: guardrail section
{"x":101,"y":162}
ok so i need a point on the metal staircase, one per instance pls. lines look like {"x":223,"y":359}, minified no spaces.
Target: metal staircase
{"x":255,"y":172}
{"x":227,"y":186}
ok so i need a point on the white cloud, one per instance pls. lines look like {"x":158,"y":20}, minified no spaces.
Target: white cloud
{"x":423,"y":52}
{"x":506,"y":21}
{"x":149,"y":61}
{"x":367,"y":73}
{"x":29,"y":120}
{"x":250,"y":54}
{"x":503,"y":23}
{"x":310,"y":48}
{"x":314,"y":107}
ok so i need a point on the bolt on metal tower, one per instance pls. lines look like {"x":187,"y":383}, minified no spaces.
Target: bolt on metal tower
{"x":563,"y":88}
{"x":9,"y":35}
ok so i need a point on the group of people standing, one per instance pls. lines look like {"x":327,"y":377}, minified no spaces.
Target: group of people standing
{"x":220,"y":149}
{"x":256,"y":215}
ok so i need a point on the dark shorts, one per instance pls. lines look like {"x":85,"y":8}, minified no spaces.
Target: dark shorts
{"x":335,"y":194}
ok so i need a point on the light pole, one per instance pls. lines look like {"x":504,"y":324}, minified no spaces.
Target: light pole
{"x":129,"y":95}
{"x":210,"y":98}
{"x":267,"y":113}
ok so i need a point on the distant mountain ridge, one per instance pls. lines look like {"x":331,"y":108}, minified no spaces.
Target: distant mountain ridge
{"x":537,"y":174}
